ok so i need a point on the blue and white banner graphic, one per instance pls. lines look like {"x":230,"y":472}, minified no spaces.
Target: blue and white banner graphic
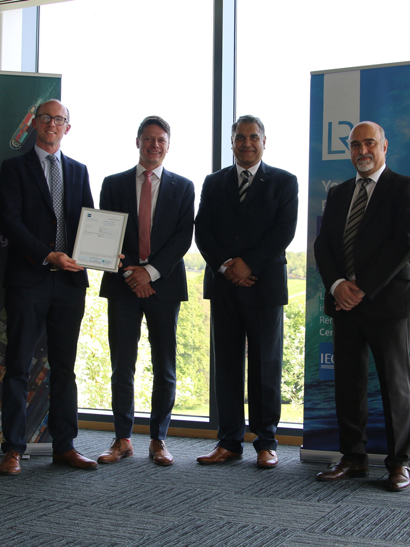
{"x":339,"y":100}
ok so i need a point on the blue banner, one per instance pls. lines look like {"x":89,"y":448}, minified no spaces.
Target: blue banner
{"x":339,"y":100}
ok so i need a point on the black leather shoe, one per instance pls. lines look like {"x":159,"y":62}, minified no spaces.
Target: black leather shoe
{"x":399,"y":479}
{"x":343,"y":470}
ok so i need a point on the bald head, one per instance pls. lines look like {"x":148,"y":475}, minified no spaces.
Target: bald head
{"x":368,"y":147}
{"x":49,"y":133}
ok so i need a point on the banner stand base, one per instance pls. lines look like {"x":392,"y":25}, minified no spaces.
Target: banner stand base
{"x":333,"y":457}
{"x":38,"y":449}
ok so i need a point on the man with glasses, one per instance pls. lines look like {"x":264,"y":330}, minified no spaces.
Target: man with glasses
{"x":152,"y":283}
{"x":41,"y":196}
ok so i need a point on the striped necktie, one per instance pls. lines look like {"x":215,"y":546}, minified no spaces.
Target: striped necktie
{"x":243,"y":188}
{"x":355,"y":217}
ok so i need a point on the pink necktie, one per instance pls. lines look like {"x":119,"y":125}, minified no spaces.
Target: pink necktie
{"x":144,"y":217}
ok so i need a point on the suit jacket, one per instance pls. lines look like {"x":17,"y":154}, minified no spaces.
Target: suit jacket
{"x":171,"y":233}
{"x":258,"y":230}
{"x":381,"y":247}
{"x":27,"y":216}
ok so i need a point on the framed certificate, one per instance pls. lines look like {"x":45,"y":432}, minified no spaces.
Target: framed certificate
{"x":99,"y":239}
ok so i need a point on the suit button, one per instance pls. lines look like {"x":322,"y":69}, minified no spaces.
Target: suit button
{"x":54,"y":222}
{"x":51,"y":244}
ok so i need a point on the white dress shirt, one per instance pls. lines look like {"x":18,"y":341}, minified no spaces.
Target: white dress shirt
{"x":369,"y":189}
{"x":240,"y":170}
{"x":155,"y":185}
{"x":45,"y":164}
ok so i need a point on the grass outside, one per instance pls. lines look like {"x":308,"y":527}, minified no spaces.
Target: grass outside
{"x":290,"y":413}
{"x":297,"y":290}
{"x":296,"y":287}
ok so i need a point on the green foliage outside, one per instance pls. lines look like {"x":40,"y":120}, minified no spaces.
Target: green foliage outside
{"x":93,"y":366}
{"x":296,"y":265}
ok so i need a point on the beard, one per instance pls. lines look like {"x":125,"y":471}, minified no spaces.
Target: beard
{"x":364,"y":167}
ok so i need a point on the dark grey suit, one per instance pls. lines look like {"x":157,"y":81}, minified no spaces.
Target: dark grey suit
{"x":380,"y":322}
{"x":258,"y":230}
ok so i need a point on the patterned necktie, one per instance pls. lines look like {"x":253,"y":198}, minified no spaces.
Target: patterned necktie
{"x":243,"y":188}
{"x":58,"y":202}
{"x":144,"y":217}
{"x":355,"y":217}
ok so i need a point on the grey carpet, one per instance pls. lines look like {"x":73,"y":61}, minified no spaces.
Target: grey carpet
{"x":136,"y":503}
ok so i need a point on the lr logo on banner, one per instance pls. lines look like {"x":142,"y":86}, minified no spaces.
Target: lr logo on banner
{"x":342,"y":136}
{"x":341,"y":112}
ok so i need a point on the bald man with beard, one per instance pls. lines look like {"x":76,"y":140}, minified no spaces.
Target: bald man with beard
{"x":363,"y":253}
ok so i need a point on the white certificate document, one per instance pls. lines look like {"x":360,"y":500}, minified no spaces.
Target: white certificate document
{"x":99,"y":240}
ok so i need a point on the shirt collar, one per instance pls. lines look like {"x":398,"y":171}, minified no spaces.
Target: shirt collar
{"x":253,"y":169}
{"x":42,"y":154}
{"x":157,"y":171}
{"x":375,"y":177}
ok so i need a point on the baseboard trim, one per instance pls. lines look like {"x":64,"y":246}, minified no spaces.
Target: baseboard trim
{"x":184,"y":432}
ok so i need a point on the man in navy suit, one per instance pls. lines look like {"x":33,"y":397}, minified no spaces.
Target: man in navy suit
{"x":363,"y":253}
{"x":41,"y":196}
{"x":152,"y":282}
{"x":246,"y":219}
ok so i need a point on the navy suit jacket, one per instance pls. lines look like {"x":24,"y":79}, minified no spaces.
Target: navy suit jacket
{"x":171,"y":233}
{"x":27,"y":216}
{"x":381,"y":247}
{"x":258,"y":230}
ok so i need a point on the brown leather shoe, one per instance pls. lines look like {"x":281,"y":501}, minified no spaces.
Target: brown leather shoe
{"x":399,"y":479}
{"x":10,"y":464}
{"x":74,"y":459}
{"x":267,"y":459}
{"x":219,"y":455}
{"x":120,"y":448}
{"x":343,"y":470}
{"x":159,"y":454}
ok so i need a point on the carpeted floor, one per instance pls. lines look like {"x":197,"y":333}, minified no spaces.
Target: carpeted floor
{"x":136,"y":503}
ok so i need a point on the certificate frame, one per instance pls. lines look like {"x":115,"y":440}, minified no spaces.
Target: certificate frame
{"x":99,"y":239}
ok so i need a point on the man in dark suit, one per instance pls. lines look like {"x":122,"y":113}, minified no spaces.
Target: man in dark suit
{"x":363,"y":253}
{"x":41,"y":196}
{"x":246,"y":219}
{"x":152,"y":282}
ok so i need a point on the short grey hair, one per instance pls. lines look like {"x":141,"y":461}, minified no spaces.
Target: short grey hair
{"x":248,"y":119}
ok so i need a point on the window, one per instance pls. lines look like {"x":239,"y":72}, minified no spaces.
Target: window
{"x":121,"y":62}
{"x":278,"y":46}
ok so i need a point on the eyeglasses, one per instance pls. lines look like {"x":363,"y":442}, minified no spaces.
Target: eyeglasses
{"x":58,"y":120}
